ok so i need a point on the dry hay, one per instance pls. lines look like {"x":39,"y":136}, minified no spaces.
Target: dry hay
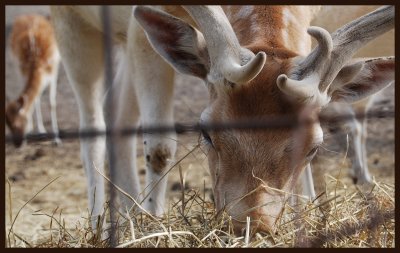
{"x":342,"y":216}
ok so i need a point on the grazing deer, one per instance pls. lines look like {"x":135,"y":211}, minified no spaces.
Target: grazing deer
{"x":256,"y":62}
{"x":34,"y":50}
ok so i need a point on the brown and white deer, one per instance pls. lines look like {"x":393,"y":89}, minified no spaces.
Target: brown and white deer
{"x":36,"y":55}
{"x":256,"y":62}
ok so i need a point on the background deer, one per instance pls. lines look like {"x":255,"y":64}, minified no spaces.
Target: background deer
{"x":37,"y":58}
{"x":256,"y":62}
{"x":330,"y":17}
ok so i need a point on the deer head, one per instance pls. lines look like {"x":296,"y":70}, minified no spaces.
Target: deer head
{"x":252,"y":169}
{"x":17,"y":120}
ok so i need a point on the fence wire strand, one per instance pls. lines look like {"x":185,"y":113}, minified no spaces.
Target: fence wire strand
{"x":270,"y":122}
{"x":262,"y":123}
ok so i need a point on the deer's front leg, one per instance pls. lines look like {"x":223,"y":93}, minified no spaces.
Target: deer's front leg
{"x":153,"y":79}
{"x":39,"y":117}
{"x":357,"y":152}
{"x":82,"y":53}
{"x":308,"y":183}
{"x":126,"y":117}
{"x":53,"y":102}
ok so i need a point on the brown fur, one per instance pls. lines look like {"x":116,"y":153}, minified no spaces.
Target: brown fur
{"x":241,"y":161}
{"x":33,"y":44}
{"x":269,"y":19}
{"x":16,"y":120}
{"x":248,"y":156}
{"x":30,"y":28}
{"x":258,"y":99}
{"x":158,"y":158}
{"x":249,"y":153}
{"x":248,"y":159}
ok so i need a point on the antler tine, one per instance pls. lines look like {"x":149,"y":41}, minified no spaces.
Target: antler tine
{"x":305,"y":78}
{"x":357,"y":33}
{"x":325,"y":44}
{"x":348,"y":39}
{"x":333,"y":52}
{"x":314,"y":61}
{"x":223,"y":46}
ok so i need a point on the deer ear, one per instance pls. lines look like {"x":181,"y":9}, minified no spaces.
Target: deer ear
{"x":362,"y":78}
{"x":177,"y":42}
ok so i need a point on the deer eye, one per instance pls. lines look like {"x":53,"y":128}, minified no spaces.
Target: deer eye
{"x":206,"y":136}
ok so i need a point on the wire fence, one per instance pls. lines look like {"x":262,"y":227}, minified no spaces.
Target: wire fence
{"x":286,"y":121}
{"x":259,"y":124}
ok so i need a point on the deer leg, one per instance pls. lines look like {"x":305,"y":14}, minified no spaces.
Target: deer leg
{"x":29,"y":126}
{"x":127,"y":116}
{"x":39,"y":118}
{"x":82,"y":53}
{"x":53,"y":104}
{"x":359,"y":171}
{"x":153,"y":79}
{"x":308,"y":182}
{"x":304,"y":187}
{"x":365,"y":176}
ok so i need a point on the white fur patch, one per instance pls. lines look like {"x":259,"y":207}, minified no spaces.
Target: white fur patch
{"x":301,"y":46}
{"x":255,"y":27}
{"x":287,"y":19}
{"x":205,"y":115}
{"x":244,"y":12}
{"x":318,"y":135}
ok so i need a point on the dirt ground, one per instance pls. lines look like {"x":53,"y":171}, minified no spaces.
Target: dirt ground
{"x":34,"y":165}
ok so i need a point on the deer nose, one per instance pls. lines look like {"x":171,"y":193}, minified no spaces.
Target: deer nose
{"x":256,"y":224}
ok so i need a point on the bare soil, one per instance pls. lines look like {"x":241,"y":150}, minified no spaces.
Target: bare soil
{"x":31,"y":167}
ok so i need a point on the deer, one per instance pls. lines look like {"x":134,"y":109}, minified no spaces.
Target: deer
{"x":36,"y":56}
{"x":256,"y":62}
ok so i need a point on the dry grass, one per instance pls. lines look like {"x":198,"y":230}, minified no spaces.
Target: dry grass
{"x":342,"y":216}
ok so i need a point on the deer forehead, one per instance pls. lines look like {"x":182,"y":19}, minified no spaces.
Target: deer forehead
{"x":258,"y":99}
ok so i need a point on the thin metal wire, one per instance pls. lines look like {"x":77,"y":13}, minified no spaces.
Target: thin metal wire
{"x":270,"y":122}
{"x":286,"y":121}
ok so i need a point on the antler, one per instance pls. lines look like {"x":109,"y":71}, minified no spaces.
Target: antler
{"x":334,"y":51}
{"x":226,"y":54}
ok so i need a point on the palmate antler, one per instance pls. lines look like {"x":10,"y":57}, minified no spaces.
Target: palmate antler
{"x":334,"y":51}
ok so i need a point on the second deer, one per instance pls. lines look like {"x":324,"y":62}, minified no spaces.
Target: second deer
{"x":36,"y":55}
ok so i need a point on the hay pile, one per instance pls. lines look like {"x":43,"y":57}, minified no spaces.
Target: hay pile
{"x":342,"y":216}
